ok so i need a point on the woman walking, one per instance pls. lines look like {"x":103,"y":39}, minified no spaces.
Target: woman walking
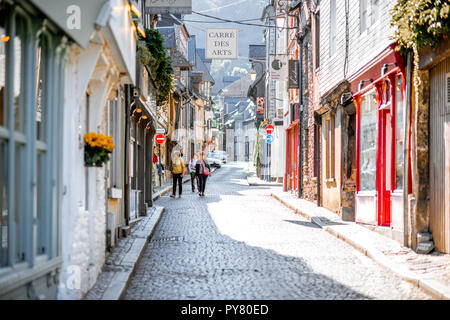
{"x":194,"y":178}
{"x":177,"y":174}
{"x":202,"y":171}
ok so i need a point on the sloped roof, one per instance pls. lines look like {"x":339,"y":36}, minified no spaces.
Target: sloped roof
{"x":202,"y":53}
{"x":178,"y":60}
{"x":201,"y":67}
{"x":257,"y":51}
{"x":169,"y":20}
{"x":168,"y":34}
{"x":192,"y":49}
{"x":238,"y":88}
{"x":230,"y":78}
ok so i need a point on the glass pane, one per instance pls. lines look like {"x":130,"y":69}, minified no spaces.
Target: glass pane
{"x":40,"y":125}
{"x":40,"y":247}
{"x":19,"y":116}
{"x":3,"y":40}
{"x":18,"y":202}
{"x":388,"y":153}
{"x":399,"y":134}
{"x":367,"y":162}
{"x":4,"y":213}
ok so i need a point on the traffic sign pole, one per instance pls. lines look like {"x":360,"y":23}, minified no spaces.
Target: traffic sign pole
{"x":160,"y":138}
{"x":269,"y":129}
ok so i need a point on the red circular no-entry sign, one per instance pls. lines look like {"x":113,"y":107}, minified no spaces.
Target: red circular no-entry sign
{"x":269,"y":129}
{"x":160,"y":138}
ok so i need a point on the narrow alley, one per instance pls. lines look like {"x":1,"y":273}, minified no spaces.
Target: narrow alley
{"x":239,"y":243}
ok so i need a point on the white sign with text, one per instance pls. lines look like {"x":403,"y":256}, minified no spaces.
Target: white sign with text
{"x":221,"y":43}
{"x":279,"y":67}
{"x":168,"y":6}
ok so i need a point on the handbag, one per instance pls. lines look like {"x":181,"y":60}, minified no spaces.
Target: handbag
{"x":205,"y":169}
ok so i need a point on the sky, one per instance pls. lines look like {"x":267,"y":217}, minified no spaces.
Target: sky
{"x":232,"y":10}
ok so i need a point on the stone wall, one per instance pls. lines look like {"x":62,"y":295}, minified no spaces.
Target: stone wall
{"x":419,"y":215}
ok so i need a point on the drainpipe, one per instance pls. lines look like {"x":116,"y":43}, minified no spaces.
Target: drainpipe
{"x":406,"y":151}
{"x":126,"y":191}
{"x":300,"y":122}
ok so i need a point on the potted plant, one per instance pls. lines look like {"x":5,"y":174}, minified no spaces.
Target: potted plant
{"x":97,"y":149}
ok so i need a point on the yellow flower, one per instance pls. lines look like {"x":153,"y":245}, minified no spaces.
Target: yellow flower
{"x":109,"y":147}
{"x":90,"y":138}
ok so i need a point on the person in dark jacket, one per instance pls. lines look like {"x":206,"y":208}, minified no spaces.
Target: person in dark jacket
{"x":202,"y":171}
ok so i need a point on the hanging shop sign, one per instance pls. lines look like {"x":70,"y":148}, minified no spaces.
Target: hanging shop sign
{"x":222,"y":43}
{"x":168,"y":6}
{"x":280,"y":113}
{"x":260,"y":105}
{"x":278,"y":67}
{"x":76,"y":18}
{"x":293,"y":82}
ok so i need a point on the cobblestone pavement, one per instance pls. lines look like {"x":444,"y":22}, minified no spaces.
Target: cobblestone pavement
{"x":239,"y":243}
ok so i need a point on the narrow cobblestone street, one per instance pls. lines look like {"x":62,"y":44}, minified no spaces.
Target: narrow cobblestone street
{"x":239,"y":243}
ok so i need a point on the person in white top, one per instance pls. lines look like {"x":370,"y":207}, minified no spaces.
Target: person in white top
{"x":191,"y":166}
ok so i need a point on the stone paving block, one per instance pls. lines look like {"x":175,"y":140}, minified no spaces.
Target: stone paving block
{"x":115,"y":289}
{"x":135,"y":250}
{"x":383,"y":250}
{"x":240,"y":243}
{"x":121,"y":263}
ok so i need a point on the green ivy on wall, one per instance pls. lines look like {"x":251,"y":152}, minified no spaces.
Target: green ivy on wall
{"x":153,"y":54}
{"x":258,"y":147}
{"x":419,"y":23}
{"x":159,"y":63}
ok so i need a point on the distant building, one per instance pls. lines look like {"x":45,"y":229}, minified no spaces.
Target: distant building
{"x":236,"y":108}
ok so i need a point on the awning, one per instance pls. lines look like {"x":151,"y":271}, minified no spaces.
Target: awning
{"x":77,"y":18}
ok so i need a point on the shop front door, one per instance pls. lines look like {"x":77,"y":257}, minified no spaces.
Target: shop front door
{"x":293,"y":175}
{"x":384,"y":172}
{"x":292,"y":144}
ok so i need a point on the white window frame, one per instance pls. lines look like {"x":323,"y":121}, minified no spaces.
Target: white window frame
{"x":14,"y":274}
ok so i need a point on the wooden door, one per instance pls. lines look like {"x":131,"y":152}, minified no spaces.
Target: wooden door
{"x":440,"y":155}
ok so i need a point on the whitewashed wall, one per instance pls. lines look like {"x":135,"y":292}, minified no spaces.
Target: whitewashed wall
{"x":84,"y":217}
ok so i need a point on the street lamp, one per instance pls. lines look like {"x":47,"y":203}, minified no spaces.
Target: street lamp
{"x":253,"y":75}
{"x":280,"y":22}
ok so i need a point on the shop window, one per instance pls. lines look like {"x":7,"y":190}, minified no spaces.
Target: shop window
{"x":330,"y":146}
{"x":4,"y":140}
{"x":362,"y":15}
{"x":399,"y":133}
{"x":29,"y":112}
{"x":19,"y":143}
{"x":3,"y":109}
{"x":43,"y":169}
{"x":316,"y":150}
{"x":367,"y":158}
{"x":19,"y":61}
{"x":114,"y":116}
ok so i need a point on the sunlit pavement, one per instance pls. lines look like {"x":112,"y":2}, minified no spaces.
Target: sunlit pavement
{"x":239,"y":243}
